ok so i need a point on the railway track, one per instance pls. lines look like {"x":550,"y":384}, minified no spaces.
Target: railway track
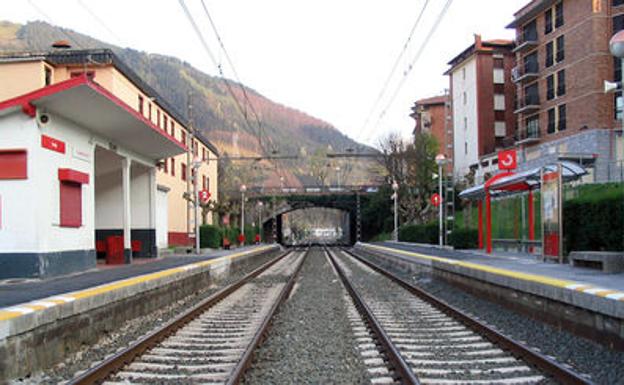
{"x":213,"y":342}
{"x":426,"y":341}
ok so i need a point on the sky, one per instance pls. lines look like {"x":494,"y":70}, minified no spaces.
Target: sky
{"x":327,"y":58}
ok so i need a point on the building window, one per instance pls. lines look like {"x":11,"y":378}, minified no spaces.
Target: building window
{"x":165,"y":123}
{"x":499,"y":76}
{"x":532,"y":126}
{"x":183,"y":171}
{"x":158,"y":118}
{"x":464,"y":97}
{"x":172,"y":166}
{"x":13,"y":164}
{"x":47,"y":74}
{"x":141,"y":105}
{"x":464,"y":73}
{"x":530,"y":63}
{"x":204,"y":156}
{"x":166,"y":166}
{"x":559,"y":14}
{"x":75,"y":74}
{"x":500,"y":129}
{"x":196,"y":148}
{"x":183,"y":137}
{"x":173,"y":129}
{"x":548,"y":21}
{"x":466,"y":148}
{"x":560,"y":49}
{"x":149,"y":111}
{"x":71,"y":204}
{"x":562,"y":117}
{"x":499,"y":62}
{"x":550,"y":58}
{"x":561,"y":85}
{"x":531,"y":94}
{"x":550,"y":87}
{"x":465,"y":124}
{"x":617,"y":2}
{"x":552,"y":118}
{"x":529,"y":32}
{"x":499,"y":102}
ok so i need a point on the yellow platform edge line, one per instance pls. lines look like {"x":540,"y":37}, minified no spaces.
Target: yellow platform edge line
{"x":86,"y":293}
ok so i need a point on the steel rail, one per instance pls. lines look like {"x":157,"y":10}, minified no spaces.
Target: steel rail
{"x":402,"y":368}
{"x":111,"y":365}
{"x":245,"y":362}
{"x":545,"y":364}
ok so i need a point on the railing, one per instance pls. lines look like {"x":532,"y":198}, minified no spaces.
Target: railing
{"x":525,"y":72}
{"x":528,"y":134}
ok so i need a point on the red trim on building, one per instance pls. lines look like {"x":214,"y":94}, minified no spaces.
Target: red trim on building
{"x":52,"y":144}
{"x":29,"y":110}
{"x":179,"y":239}
{"x":69,"y":175}
{"x":79,"y":81}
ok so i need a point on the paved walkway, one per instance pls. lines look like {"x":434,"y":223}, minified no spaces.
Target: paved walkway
{"x":14,"y":292}
{"x":519,"y":262}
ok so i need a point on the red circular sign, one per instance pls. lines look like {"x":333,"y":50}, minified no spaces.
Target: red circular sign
{"x":204,"y":196}
{"x":436,"y":200}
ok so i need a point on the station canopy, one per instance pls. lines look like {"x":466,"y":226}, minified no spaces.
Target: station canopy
{"x":510,"y":183}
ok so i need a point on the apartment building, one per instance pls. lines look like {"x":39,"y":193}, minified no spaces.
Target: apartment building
{"x":21,"y":73}
{"x":429,"y":116}
{"x":482,"y":100}
{"x":562,"y":51}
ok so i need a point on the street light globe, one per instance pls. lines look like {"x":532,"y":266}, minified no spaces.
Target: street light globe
{"x":260,"y":204}
{"x":440,"y":159}
{"x":616,"y":44}
{"x":395,"y":186}
{"x":243,"y":188}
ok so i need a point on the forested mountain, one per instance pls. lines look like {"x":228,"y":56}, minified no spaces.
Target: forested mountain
{"x":283,"y":130}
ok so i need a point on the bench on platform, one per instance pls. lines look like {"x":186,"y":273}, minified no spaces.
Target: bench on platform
{"x":607,"y":261}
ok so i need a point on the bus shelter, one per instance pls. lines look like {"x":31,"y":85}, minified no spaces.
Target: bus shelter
{"x":509,"y":183}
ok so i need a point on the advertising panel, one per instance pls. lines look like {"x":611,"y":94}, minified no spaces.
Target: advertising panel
{"x":552,"y":205}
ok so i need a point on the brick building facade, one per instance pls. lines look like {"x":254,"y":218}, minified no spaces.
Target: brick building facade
{"x":429,"y":116}
{"x":562,"y":51}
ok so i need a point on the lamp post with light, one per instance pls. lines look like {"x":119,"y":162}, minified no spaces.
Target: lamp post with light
{"x":196,"y":165}
{"x":260,"y":205}
{"x":243,"y":189}
{"x":616,"y":47}
{"x":440,"y":160}
{"x":395,"y":197}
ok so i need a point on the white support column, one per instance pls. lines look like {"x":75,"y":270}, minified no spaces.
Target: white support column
{"x":152,"y":209}
{"x":127,"y":216}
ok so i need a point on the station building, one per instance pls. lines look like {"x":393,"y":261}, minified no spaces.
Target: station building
{"x":89,"y":151}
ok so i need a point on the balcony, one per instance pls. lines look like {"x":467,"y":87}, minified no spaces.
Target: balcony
{"x":529,"y":105}
{"x":528,"y":135}
{"x":525,"y":43}
{"x":525,"y":73}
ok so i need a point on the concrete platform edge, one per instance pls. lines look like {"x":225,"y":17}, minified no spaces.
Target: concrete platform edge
{"x":559,"y":290}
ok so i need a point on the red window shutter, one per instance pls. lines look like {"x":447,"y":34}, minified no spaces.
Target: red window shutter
{"x":13,"y":164}
{"x":71,"y":204}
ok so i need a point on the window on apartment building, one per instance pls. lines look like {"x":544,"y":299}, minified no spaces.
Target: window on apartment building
{"x":196,"y":148}
{"x":552,"y":120}
{"x":529,"y":31}
{"x":166,"y":166}
{"x":149,"y":111}
{"x":561,"y":85}
{"x":465,"y":148}
{"x":559,"y":14}
{"x":532,"y":126}
{"x":172,"y":166}
{"x":499,"y":102}
{"x":75,"y":74}
{"x":158,"y":118}
{"x":47,"y":74}
{"x":204,"y":182}
{"x":204,"y":157}
{"x":500,"y":129}
{"x":183,"y":171}
{"x":165,"y":123}
{"x":531,"y":94}
{"x":183,"y":137}
{"x":562,"y":117}
{"x":13,"y":164}
{"x":550,"y":87}
{"x":141,"y":105}
{"x":530,"y":63}
{"x":465,"y":124}
{"x":173,"y":134}
{"x":617,"y":2}
{"x":499,"y":76}
{"x":548,"y":21}
{"x":464,"y":97}
{"x":550,"y":54}
{"x":560,"y":49}
{"x":499,"y":62}
{"x":464,"y":73}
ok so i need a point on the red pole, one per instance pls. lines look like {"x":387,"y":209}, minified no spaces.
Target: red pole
{"x":488,"y":222}
{"x":480,"y":205}
{"x":531,"y":219}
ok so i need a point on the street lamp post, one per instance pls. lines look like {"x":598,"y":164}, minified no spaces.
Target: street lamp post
{"x":260,"y":205}
{"x":616,"y":46}
{"x":395,"y":197}
{"x":243,"y":189}
{"x":196,"y":164}
{"x":440,"y":160}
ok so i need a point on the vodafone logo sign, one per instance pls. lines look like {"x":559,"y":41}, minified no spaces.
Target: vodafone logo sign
{"x":507,"y":160}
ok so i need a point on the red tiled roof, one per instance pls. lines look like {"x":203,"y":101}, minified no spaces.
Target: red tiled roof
{"x":432,"y":100}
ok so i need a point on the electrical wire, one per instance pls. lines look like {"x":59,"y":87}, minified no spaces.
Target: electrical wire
{"x":51,"y":21}
{"x":409,"y":69}
{"x":100,"y":21}
{"x":395,"y":66}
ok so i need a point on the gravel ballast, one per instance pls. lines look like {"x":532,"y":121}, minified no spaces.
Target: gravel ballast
{"x":131,"y":331}
{"x":604,"y":366}
{"x":310,"y":341}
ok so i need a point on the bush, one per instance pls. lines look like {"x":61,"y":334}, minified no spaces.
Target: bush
{"x":210,"y":236}
{"x":464,"y":238}
{"x":595,"y":222}
{"x":427,"y":233}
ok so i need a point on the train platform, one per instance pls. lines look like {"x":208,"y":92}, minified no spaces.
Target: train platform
{"x":586,"y":288}
{"x":25,"y":297}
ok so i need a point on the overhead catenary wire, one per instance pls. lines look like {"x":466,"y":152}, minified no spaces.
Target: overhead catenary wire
{"x":411,"y":65}
{"x":51,"y":21}
{"x":395,"y":66}
{"x":100,"y":21}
